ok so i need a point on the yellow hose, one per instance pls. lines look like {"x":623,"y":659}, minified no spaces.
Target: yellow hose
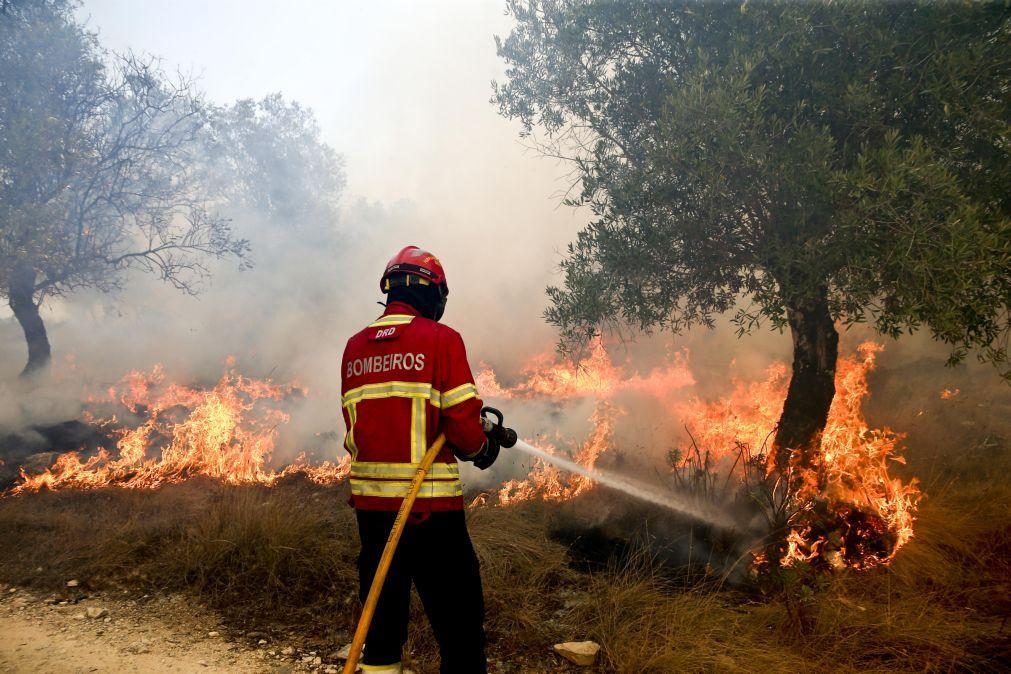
{"x":369,"y":609}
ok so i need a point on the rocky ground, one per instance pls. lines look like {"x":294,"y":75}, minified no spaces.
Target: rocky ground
{"x":77,"y":632}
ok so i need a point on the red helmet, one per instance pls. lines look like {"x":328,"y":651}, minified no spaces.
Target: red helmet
{"x":414,"y":261}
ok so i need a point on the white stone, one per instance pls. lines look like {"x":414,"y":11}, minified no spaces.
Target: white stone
{"x":582,"y":653}
{"x":96,"y":612}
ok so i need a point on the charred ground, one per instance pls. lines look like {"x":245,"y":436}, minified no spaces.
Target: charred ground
{"x":280,"y":561}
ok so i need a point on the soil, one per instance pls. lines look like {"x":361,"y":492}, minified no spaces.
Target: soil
{"x":133,"y":634}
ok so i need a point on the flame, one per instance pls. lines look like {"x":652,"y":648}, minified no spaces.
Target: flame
{"x":549,"y":482}
{"x":545,"y":376}
{"x":226,"y":433}
{"x":596,"y":377}
{"x":865,"y":515}
{"x":854,"y":474}
{"x":849,"y":510}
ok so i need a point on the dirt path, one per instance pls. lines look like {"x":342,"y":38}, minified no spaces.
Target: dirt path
{"x":107,"y":634}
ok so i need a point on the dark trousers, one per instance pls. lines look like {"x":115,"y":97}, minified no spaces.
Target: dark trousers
{"x":436,"y":553}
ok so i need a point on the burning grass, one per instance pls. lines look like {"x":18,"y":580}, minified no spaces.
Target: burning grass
{"x":167,"y":432}
{"x":189,"y":503}
{"x":281,"y":560}
{"x":847,"y":510}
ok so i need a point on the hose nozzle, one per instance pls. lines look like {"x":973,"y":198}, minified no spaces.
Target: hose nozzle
{"x":505,"y":437}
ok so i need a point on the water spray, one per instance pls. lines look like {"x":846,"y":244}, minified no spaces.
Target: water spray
{"x":643,"y":491}
{"x":635,"y":488}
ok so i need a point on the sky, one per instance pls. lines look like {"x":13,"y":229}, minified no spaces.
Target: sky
{"x":401,"y":89}
{"x":395,"y":85}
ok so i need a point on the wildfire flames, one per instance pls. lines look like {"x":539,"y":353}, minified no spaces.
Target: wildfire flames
{"x":864,"y":515}
{"x":167,"y":432}
{"x":849,"y":511}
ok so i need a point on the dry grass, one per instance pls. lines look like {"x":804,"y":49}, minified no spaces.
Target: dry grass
{"x":282,"y":560}
{"x":940,"y":608}
{"x":278,"y":556}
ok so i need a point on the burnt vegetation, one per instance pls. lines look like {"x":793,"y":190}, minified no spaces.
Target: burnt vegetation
{"x":657,"y":591}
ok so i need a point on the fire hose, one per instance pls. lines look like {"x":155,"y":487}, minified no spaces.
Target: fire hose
{"x":505,"y":437}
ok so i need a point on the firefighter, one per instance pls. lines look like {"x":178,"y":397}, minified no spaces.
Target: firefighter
{"x":405,"y":380}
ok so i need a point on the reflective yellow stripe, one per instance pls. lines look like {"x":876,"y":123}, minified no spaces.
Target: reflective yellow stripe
{"x":349,"y":439}
{"x":399,"y":488}
{"x":419,"y":443}
{"x":408,"y":389}
{"x":418,"y":393}
{"x":402,"y":471}
{"x":390,"y":669}
{"x":392,"y":319}
{"x":457,"y":395}
{"x":389,"y":389}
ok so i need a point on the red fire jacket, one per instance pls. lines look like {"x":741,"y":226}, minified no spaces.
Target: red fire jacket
{"x":405,"y":379}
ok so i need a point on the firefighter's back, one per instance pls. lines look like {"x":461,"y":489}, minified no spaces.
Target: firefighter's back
{"x":394,"y":388}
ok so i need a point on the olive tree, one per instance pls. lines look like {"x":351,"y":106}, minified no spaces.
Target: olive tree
{"x":99,"y":164}
{"x":797,"y":165}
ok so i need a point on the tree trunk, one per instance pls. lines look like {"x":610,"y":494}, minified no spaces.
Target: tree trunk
{"x":22,"y":302}
{"x":812,"y":386}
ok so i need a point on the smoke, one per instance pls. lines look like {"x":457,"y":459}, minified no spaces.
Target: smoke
{"x":402,"y":92}
{"x":287,"y":318}
{"x":429,"y":162}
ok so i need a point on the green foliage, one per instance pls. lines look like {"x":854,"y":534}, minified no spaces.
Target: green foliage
{"x":747,"y":156}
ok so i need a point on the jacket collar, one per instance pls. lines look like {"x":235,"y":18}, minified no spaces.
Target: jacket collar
{"x":402,"y":308}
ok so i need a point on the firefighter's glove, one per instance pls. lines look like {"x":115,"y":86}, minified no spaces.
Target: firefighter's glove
{"x":488,"y":454}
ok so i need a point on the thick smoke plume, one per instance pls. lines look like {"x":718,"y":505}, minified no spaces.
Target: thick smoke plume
{"x":489,"y":210}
